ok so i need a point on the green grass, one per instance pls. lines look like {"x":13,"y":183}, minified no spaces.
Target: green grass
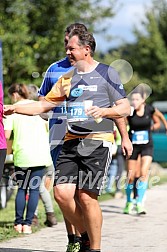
{"x":6,"y":221}
{"x":7,"y":216}
{"x":164,"y":164}
{"x":162,"y":180}
{"x":106,"y":196}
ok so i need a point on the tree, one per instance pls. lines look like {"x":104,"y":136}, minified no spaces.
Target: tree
{"x":148,"y":55}
{"x":18,"y":56}
{"x":32,"y":32}
{"x":128,"y":76}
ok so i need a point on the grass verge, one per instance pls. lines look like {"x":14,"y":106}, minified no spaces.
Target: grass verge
{"x":7,"y":216}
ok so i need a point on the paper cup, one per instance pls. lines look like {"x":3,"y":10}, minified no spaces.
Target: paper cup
{"x":88,"y":104}
{"x":98,"y":120}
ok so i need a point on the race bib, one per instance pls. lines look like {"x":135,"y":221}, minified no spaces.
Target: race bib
{"x":76,"y":112}
{"x":140,"y":137}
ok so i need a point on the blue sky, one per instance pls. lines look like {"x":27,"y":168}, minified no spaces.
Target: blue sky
{"x":129,"y":13}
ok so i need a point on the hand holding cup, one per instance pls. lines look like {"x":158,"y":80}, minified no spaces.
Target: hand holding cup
{"x":87,"y":105}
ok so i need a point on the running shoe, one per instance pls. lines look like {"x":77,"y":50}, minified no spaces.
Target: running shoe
{"x":128,"y":208}
{"x":73,"y":247}
{"x":27,"y":229}
{"x":18,"y":228}
{"x":140,"y":209}
{"x":85,"y":247}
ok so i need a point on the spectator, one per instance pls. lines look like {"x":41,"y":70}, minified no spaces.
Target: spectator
{"x":46,"y":180}
{"x":112,"y":171}
{"x":120,"y":159}
{"x":3,"y":145}
{"x":31,"y":156}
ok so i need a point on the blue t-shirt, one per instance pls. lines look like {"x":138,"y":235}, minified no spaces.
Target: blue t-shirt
{"x":53,"y":73}
{"x":57,"y":125}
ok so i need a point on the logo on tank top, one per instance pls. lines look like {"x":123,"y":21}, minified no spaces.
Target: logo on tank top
{"x":88,"y":88}
{"x":76,"y":92}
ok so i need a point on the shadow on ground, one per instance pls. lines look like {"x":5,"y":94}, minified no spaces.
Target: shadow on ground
{"x":111,"y":206}
{"x":111,"y":209}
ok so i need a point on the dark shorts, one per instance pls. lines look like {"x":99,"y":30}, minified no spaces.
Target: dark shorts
{"x":141,"y":149}
{"x":54,"y":154}
{"x":84,"y":163}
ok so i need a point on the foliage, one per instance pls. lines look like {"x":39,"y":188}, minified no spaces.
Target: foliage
{"x":148,"y":55}
{"x":32,"y":32}
{"x":18,"y":56}
{"x":119,"y":54}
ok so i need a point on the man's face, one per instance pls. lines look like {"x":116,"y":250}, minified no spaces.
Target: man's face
{"x":74,"y":51}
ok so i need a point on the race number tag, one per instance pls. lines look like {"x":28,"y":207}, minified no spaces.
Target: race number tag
{"x":140,"y":137}
{"x":76,"y":112}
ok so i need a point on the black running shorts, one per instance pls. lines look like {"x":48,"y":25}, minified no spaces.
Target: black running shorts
{"x":141,"y":149}
{"x":84,"y":162}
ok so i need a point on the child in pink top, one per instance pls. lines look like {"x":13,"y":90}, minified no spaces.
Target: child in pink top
{"x":3,"y":146}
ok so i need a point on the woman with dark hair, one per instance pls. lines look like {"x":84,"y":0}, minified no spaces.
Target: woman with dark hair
{"x":141,"y":123}
{"x":3,"y":145}
{"x":31,"y":156}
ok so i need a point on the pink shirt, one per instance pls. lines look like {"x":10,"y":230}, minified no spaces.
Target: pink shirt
{"x":2,"y":133}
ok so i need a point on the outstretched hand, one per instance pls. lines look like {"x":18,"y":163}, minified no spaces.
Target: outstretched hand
{"x":8,"y":110}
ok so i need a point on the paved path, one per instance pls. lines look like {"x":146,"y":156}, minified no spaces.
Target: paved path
{"x":121,"y":233}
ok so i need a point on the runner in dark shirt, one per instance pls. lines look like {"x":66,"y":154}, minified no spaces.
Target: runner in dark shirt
{"x":140,"y":124}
